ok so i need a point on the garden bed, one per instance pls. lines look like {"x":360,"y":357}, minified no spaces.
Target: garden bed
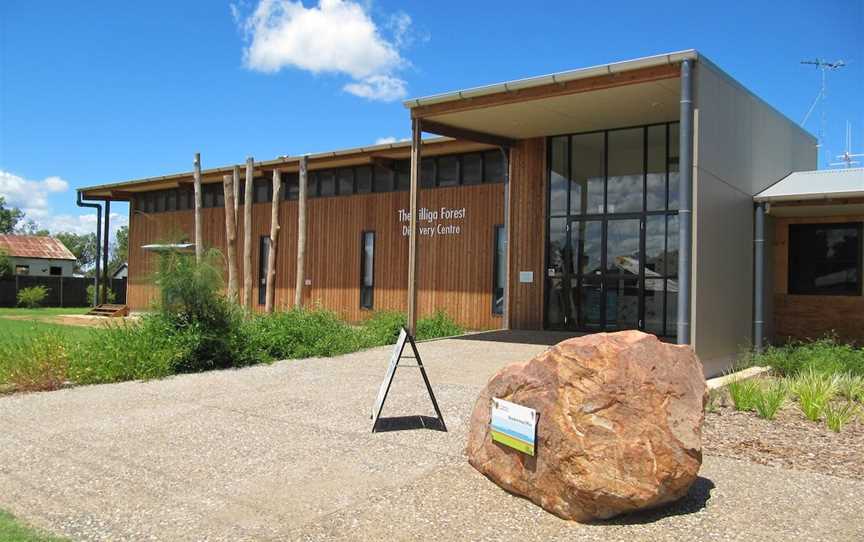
{"x":789,"y":440}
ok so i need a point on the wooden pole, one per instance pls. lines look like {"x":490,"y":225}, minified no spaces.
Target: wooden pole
{"x":236,"y":177}
{"x":416,"y":131}
{"x":199,"y":241}
{"x":247,"y":234}
{"x":230,"y":235}
{"x":301,"y":232}
{"x":270,"y":291}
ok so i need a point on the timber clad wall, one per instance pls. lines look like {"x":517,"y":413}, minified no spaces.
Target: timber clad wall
{"x":528,"y":234}
{"x":455,"y":271}
{"x":800,"y":317}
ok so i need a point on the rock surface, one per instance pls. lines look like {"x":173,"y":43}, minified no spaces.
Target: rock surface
{"x":619,"y":429}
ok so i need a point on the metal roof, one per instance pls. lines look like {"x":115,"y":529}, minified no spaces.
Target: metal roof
{"x":35,"y":246}
{"x":814,"y":185}
{"x":557,"y":77}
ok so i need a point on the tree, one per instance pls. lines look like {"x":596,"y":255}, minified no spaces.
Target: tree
{"x":119,"y":249}
{"x":29,"y":227}
{"x":82,"y":246}
{"x":9,"y":217}
{"x":5,"y":264}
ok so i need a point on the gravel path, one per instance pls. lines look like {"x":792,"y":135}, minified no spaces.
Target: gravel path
{"x":284,"y":452}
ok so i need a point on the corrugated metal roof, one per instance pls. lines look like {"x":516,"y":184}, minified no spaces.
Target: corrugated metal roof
{"x":35,"y":246}
{"x":820,"y":184}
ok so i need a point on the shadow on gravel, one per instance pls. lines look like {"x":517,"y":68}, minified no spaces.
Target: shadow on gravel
{"x":520,"y":336}
{"x":695,"y":500}
{"x":408,"y":423}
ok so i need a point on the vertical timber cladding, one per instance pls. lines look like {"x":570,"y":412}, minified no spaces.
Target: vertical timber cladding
{"x":527,"y":235}
{"x":455,"y":266}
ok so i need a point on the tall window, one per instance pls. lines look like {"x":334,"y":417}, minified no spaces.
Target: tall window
{"x":367,"y":269}
{"x":825,"y":259}
{"x":499,"y":270}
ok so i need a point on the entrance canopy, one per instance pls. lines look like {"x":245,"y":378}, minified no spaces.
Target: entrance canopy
{"x":634,"y":92}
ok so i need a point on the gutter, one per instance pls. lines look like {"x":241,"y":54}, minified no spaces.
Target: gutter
{"x":824,"y":196}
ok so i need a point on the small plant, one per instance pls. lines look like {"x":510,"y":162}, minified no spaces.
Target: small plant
{"x":770,"y":398}
{"x":32,"y":297}
{"x":839,"y":414}
{"x":814,"y":391}
{"x":383,"y":328}
{"x":38,"y":363}
{"x":851,"y":387}
{"x":436,"y":326}
{"x":743,"y":393}
{"x":91,"y":289}
{"x":714,"y":400}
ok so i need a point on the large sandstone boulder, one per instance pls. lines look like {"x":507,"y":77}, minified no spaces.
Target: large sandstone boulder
{"x":619,"y":427}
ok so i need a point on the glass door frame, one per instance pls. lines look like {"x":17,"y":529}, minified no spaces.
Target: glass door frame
{"x":574,"y":275}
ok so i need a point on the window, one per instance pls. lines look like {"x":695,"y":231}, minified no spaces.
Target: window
{"x":448,"y":171}
{"x":367,"y":269}
{"x":22,"y":269}
{"x":363,"y":177}
{"x":291,"y":186}
{"x":346,"y":181}
{"x":825,"y":259}
{"x":263,"y":255}
{"x":327,"y":182}
{"x":403,"y":175}
{"x":56,"y":271}
{"x":263,"y":191}
{"x":312,"y":184}
{"x":499,"y":271}
{"x":472,"y":169}
{"x":427,"y":172}
{"x":493,"y":167}
{"x":383,"y":179}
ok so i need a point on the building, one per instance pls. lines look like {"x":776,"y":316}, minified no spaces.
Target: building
{"x":37,"y":255}
{"x":121,"y":271}
{"x":605,"y":198}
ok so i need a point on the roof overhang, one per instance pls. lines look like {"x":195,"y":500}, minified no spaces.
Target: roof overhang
{"x":125,"y":190}
{"x":816,"y":193}
{"x":641,"y":91}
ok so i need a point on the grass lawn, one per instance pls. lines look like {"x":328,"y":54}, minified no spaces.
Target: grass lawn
{"x":33,"y":323}
{"x":12,"y":530}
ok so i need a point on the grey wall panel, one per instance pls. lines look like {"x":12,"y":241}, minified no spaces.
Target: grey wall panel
{"x":741,"y":146}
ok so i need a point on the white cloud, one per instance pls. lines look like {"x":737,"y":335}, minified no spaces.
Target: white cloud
{"x":85,"y":223}
{"x":389,"y":139}
{"x":336,"y":36}
{"x":378,"y":87}
{"x":30,"y":196}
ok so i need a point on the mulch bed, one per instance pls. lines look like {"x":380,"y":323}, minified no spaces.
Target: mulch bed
{"x":789,"y":441}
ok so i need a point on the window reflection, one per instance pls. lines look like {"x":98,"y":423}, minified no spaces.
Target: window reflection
{"x":586,"y":185}
{"x":624,"y":186}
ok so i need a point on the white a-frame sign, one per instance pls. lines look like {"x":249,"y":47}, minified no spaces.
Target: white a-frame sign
{"x":395,"y":358}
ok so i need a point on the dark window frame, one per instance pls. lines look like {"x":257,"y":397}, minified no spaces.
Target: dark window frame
{"x":495,"y":263}
{"x":363,"y":287}
{"x":792,"y":283}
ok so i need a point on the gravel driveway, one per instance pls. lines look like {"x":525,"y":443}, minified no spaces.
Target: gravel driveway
{"x":284,"y":452}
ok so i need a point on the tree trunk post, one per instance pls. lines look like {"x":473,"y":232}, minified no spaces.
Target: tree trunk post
{"x":270,"y":291}
{"x":230,"y":235}
{"x":247,"y":234}
{"x":199,"y":238}
{"x":236,"y":177}
{"x":301,"y":231}
{"x":416,"y":132}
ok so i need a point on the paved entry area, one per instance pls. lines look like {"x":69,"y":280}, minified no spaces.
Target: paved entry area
{"x":284,"y":452}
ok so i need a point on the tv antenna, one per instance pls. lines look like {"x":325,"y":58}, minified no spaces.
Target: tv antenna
{"x":848,"y":157}
{"x":824,"y":66}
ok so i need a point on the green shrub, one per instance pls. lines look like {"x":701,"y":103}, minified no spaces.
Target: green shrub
{"x":207,"y":328}
{"x":743,"y":393}
{"x":382,"y":328}
{"x":825,"y":356}
{"x":300,"y":333}
{"x":838,"y":415}
{"x":438,"y":325}
{"x":91,"y":293}
{"x":127,"y":351}
{"x":851,"y":387}
{"x":814,"y":392}
{"x":769,"y":398}
{"x":37,"y":363}
{"x":32,"y":297}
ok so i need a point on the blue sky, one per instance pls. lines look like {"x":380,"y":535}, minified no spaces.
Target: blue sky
{"x":96,"y":92}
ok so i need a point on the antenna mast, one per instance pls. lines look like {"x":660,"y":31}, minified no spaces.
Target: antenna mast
{"x":846,"y":159}
{"x":824,"y":66}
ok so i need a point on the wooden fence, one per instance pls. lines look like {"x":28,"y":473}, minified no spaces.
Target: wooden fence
{"x":62,"y":291}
